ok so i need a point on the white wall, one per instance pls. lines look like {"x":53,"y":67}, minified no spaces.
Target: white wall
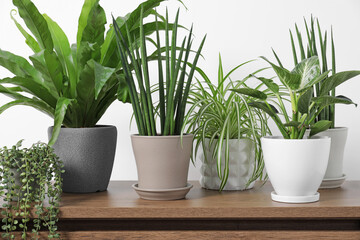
{"x":239,"y":29}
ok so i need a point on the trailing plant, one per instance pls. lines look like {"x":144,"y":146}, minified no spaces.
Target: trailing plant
{"x":72,"y":84}
{"x":174,"y":82}
{"x":305,"y":107}
{"x":30,"y":187}
{"x":316,"y":44}
{"x":219,"y":115}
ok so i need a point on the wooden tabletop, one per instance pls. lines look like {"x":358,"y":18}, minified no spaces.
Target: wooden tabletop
{"x":120,"y":201}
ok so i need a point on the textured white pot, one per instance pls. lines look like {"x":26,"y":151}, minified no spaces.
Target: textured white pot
{"x":296,"y":167}
{"x":241,"y":165}
{"x":338,"y":140}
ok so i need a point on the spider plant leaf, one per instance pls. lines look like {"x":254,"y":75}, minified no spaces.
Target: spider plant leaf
{"x":308,"y":69}
{"x":305,"y":100}
{"x":220,"y":75}
{"x":335,"y":80}
{"x":60,"y":111}
{"x":327,"y":100}
{"x":30,"y":41}
{"x":319,"y":126}
{"x":102,"y":75}
{"x":289,"y":79}
{"x":251,"y":92}
{"x":35,"y":22}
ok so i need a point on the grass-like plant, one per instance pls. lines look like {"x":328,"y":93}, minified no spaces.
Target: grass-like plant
{"x":30,"y":180}
{"x":316,"y":44}
{"x":305,"y":107}
{"x":75,"y":84}
{"x":219,"y":115}
{"x":174,"y":81}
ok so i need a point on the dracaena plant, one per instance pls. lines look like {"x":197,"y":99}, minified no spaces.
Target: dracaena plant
{"x":174,"y":80}
{"x":72,"y":84}
{"x":317,"y":44}
{"x":219,"y":115}
{"x":304,"y":106}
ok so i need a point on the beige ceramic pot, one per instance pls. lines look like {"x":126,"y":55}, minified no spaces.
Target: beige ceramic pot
{"x":162,"y":161}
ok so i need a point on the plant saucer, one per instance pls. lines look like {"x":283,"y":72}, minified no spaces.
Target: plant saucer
{"x":295,"y":199}
{"x":162,"y":194}
{"x":333,"y":182}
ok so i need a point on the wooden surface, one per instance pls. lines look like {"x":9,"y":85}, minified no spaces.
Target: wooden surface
{"x":120,"y":214}
{"x":122,"y":202}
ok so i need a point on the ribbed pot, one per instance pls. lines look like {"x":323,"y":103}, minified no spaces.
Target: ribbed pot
{"x":88,"y":157}
{"x":338,"y":141}
{"x":241,"y":165}
{"x":162,"y":161}
{"x":296,"y":167}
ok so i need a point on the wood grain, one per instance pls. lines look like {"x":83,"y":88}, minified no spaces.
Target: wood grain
{"x":122,"y":202}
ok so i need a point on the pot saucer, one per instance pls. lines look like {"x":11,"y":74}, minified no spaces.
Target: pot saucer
{"x":295,"y":199}
{"x":333,"y":182}
{"x":162,"y":194}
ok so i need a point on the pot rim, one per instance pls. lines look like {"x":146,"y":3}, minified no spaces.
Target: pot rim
{"x":162,"y":137}
{"x":101,"y":126}
{"x":337,"y":129}
{"x":281,"y":138}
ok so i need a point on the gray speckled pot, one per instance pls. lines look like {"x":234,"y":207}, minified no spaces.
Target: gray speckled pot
{"x":88,"y":157}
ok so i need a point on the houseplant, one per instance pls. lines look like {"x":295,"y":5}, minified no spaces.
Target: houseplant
{"x":226,"y":131}
{"x":30,"y":178}
{"x":74,"y":85}
{"x":162,"y":158}
{"x":296,"y":166}
{"x":317,"y":45}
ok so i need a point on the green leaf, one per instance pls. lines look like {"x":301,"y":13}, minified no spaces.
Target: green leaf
{"x":251,"y":92}
{"x":308,"y":69}
{"x":290,"y":80}
{"x":272,"y":111}
{"x":60,"y":112}
{"x":83,"y":19}
{"x":102,"y":75}
{"x":335,"y":80}
{"x":39,"y":105}
{"x":319,"y":126}
{"x":55,"y":70}
{"x":269,"y":83}
{"x":35,"y":22}
{"x":123,"y":93}
{"x":30,"y":41}
{"x":327,"y":100}
{"x":304,"y":101}
{"x":292,"y":124}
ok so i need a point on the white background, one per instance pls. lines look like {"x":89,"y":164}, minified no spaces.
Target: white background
{"x":240,"y":30}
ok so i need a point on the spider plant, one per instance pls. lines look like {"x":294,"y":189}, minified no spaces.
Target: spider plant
{"x":304,"y":106}
{"x":220,"y":115}
{"x":75,"y":84}
{"x":317,"y":44}
{"x":174,"y":82}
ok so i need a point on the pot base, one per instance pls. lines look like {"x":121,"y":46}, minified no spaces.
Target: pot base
{"x":162,"y":194}
{"x":333,"y":182}
{"x":295,"y":199}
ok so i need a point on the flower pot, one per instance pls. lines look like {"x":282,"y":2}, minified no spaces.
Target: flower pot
{"x":162,"y":164}
{"x":338,"y":140}
{"x":296,"y":167}
{"x":88,"y":157}
{"x":241,"y":165}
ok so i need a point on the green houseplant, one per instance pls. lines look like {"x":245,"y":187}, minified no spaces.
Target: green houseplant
{"x":74,"y":85}
{"x":227,"y":131}
{"x":318,"y":45}
{"x":30,"y":177}
{"x":296,"y":166}
{"x":162,"y":157}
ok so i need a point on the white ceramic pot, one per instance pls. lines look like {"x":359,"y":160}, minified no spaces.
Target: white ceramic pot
{"x":241,"y":165}
{"x":296,"y":167}
{"x":338,"y":140}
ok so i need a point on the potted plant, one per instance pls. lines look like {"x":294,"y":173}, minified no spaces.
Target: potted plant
{"x":296,"y":165}
{"x":317,"y":45}
{"x":227,"y":132}
{"x":162,"y":158}
{"x":74,"y":85}
{"x":30,"y":178}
